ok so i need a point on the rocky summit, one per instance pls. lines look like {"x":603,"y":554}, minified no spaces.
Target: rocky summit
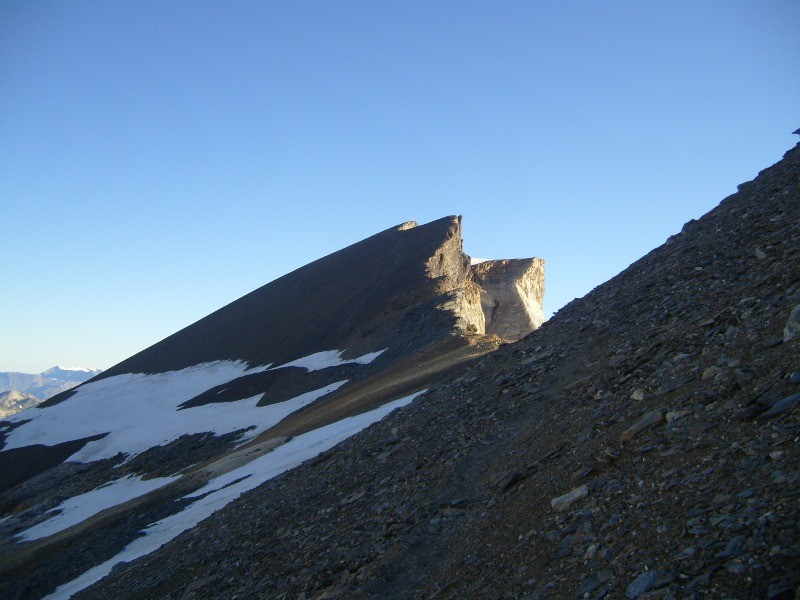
{"x":122,"y":464}
{"x":642,"y":443}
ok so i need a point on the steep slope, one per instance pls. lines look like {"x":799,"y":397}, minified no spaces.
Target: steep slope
{"x":354,"y":299}
{"x":642,"y":443}
{"x":183,"y":428}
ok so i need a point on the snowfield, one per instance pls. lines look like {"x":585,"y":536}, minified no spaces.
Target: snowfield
{"x":139,"y":411}
{"x":223,"y":490}
{"x":135,"y":412}
{"x":330,"y":358}
{"x":81,"y":507}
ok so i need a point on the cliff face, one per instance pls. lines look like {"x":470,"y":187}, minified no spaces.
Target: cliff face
{"x":500,"y":298}
{"x":511,"y":293}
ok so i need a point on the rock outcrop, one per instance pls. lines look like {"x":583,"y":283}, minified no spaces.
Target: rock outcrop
{"x":358,"y":298}
{"x":511,"y":294}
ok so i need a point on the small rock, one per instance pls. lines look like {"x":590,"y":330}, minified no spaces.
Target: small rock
{"x":735,"y":566}
{"x":563,"y":502}
{"x":353,"y":497}
{"x":608,"y":456}
{"x":780,"y":407}
{"x":605,"y":575}
{"x":648,"y":420}
{"x":734,"y":547}
{"x":589,"y":585}
{"x":508,"y":480}
{"x":641,"y":584}
{"x":582,"y":473}
{"x":792,"y":329}
{"x":794,"y":378}
{"x":637,"y":395}
{"x":674,"y":416}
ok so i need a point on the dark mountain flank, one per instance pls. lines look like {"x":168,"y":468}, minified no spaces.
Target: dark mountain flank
{"x":357,"y":299}
{"x":643,"y":443}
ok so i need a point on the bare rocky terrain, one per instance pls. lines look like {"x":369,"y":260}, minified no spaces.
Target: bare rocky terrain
{"x":642,"y":443}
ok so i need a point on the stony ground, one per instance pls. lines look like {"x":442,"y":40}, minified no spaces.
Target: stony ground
{"x":644,"y":443}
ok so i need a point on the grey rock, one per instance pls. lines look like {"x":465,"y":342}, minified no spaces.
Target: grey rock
{"x":792,"y":328}
{"x":645,"y":422}
{"x":641,"y":584}
{"x":561,"y":503}
{"x":734,"y":547}
{"x":780,"y":407}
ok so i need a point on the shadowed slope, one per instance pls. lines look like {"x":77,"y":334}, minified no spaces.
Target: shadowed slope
{"x":352,"y":299}
{"x":641,"y":444}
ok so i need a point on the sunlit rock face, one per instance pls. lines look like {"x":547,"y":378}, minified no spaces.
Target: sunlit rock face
{"x":511,"y":293}
{"x":493,"y":297}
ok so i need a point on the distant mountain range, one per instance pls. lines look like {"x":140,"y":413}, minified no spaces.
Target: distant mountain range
{"x":39,"y":386}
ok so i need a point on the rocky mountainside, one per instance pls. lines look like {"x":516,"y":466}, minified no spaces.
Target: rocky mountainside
{"x":45,"y":384}
{"x":643,"y":443}
{"x":173,"y":434}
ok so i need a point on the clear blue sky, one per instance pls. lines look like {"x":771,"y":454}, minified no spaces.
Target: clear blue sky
{"x":161,"y":159}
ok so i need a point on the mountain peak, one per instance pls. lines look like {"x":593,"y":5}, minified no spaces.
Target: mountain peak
{"x":284,"y":372}
{"x":58,"y":370}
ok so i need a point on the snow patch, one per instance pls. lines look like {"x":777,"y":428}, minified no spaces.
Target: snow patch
{"x":477,"y":261}
{"x":81,"y":507}
{"x":238,"y":481}
{"x":139,"y":411}
{"x":329,"y":358}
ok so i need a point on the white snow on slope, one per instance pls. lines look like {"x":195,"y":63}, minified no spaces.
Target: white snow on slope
{"x":251,"y":475}
{"x":81,"y":507}
{"x":139,"y":411}
{"x":330,"y":358}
